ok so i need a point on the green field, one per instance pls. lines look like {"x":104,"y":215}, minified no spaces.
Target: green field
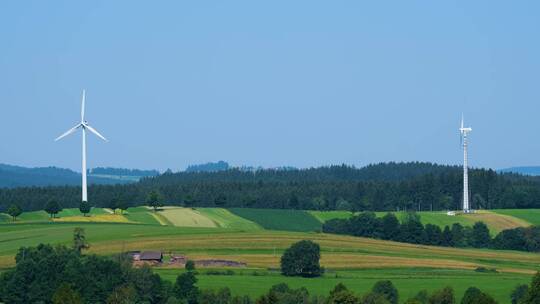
{"x":35,"y":216}
{"x":277,"y":219}
{"x":141,"y":215}
{"x":226,"y":219}
{"x":258,"y":237}
{"x":361,"y":281}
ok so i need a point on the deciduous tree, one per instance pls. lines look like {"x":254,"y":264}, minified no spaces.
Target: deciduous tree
{"x":14,"y":211}
{"x":302,"y":259}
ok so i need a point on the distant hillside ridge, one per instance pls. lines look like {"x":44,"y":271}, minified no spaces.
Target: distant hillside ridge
{"x":17,"y":176}
{"x":528,"y":170}
{"x":123,"y":172}
{"x":209,"y":167}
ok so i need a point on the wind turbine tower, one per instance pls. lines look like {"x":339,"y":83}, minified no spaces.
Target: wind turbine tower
{"x":464,"y":131}
{"x":83,"y":125}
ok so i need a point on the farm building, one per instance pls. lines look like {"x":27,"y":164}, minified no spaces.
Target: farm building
{"x":146,"y":257}
{"x":151,"y":256}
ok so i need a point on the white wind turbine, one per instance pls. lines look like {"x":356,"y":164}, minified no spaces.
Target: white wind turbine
{"x":464,"y":131}
{"x":83,"y":125}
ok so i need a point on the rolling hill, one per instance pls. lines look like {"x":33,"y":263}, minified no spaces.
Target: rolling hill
{"x":357,"y":262}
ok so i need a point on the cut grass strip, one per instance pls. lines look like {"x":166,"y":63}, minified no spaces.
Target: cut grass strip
{"x":324,"y":216}
{"x":531,"y":216}
{"x":161,"y":219}
{"x":496,"y":222}
{"x":144,"y":218}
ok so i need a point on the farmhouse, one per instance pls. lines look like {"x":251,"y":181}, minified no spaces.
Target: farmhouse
{"x":151,"y":256}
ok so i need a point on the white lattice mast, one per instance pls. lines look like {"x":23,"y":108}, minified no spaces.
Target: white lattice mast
{"x":83,"y":125}
{"x":464,"y":131}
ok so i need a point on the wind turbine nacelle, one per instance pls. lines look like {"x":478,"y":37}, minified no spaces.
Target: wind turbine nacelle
{"x":463,"y":130}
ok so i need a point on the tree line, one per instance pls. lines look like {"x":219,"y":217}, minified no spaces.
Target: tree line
{"x":411,"y":230}
{"x":382,"y":187}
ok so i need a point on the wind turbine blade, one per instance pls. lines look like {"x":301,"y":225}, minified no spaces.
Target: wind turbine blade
{"x":82,"y":106}
{"x":462,"y":121}
{"x":68,"y":132}
{"x":95,"y":132}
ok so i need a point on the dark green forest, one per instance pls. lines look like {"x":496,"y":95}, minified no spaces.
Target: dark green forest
{"x":380,"y":187}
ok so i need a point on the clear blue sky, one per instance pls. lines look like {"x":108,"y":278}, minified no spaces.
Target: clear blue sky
{"x":300,"y":83}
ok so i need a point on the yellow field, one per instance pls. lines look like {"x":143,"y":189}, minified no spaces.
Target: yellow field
{"x":186,"y":217}
{"x":102,"y":218}
{"x":496,"y":221}
{"x":263,"y":249}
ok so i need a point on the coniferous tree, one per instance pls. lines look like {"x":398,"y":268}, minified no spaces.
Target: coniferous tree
{"x":533,"y":294}
{"x":480,"y":237}
{"x":474,"y":295}
{"x":519,"y":293}
{"x":390,"y":227}
{"x":185,"y":288}
{"x":387,"y":290}
{"x":446,"y":237}
{"x":433,"y":234}
{"x":443,"y":296}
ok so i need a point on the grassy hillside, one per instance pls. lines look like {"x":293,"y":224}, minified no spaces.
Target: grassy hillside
{"x":496,"y":220}
{"x":357,"y":262}
{"x":273,"y":219}
{"x":142,"y":215}
{"x":529,"y":215}
{"x":277,"y":219}
{"x":262,"y":248}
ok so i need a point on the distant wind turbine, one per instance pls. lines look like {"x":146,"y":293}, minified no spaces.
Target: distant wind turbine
{"x":84,"y":126}
{"x":464,"y":131}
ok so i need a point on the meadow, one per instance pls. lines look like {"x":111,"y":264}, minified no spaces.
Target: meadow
{"x":252,"y":283}
{"x":259,"y":237}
